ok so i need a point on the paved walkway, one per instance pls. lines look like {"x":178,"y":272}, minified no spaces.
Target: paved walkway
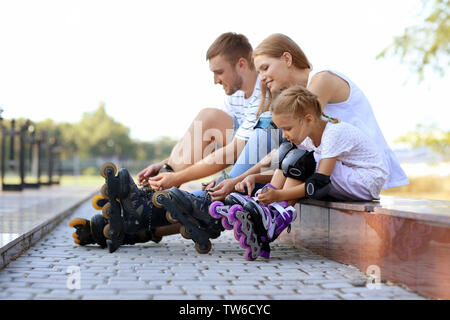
{"x":56,"y":268}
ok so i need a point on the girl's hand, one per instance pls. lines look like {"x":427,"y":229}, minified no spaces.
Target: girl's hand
{"x":248,"y":182}
{"x":269,"y":196}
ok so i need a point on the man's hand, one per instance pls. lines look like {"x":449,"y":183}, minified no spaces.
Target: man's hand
{"x":148,"y":172}
{"x":164,"y":180}
{"x":220,"y":191}
{"x":209,"y":185}
{"x":248,"y":182}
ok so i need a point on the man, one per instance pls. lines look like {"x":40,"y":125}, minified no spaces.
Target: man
{"x":230,"y":60}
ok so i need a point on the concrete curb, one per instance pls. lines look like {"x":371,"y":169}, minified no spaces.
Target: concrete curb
{"x":25,"y":241}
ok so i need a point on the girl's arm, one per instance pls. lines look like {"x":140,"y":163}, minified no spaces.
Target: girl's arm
{"x":295,"y":189}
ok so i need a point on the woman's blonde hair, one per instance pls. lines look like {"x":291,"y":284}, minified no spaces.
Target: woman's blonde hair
{"x":298,"y":101}
{"x":274,"y":46}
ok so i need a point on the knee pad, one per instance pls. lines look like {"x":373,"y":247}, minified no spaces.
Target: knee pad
{"x":317,"y":186}
{"x":299,"y":164}
{"x":283,"y":150}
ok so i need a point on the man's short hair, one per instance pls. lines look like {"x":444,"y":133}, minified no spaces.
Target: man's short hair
{"x":232,"y":46}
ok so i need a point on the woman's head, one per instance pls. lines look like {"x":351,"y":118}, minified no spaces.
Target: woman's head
{"x":296,"y":111}
{"x":278,"y":58}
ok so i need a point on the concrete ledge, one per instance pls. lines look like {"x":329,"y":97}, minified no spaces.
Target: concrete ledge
{"x":38,"y":230}
{"x":404,"y":240}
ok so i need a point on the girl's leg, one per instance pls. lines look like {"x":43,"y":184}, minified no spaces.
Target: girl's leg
{"x":293,"y":183}
{"x":278,"y":179}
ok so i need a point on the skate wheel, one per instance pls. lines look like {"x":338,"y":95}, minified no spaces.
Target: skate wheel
{"x":232,"y":212}
{"x":243,"y":242}
{"x":203,"y":251}
{"x":105,"y":210}
{"x":237,"y":230}
{"x":77,"y":222}
{"x":170,"y":218}
{"x":248,"y":254}
{"x":107,"y":167}
{"x":98,"y":202}
{"x":106,"y":231}
{"x":226,"y":224}
{"x":156,"y":198}
{"x":212,"y":209}
{"x":104,"y":191}
{"x":184,"y":233}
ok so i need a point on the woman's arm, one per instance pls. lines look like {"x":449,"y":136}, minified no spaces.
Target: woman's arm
{"x":329,"y":88}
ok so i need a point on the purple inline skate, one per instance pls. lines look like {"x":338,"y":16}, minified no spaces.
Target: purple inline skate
{"x":257,"y":225}
{"x":227,"y":210}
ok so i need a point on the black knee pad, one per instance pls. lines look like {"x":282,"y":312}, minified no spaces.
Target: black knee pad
{"x":283,"y":150}
{"x":299,"y":164}
{"x":317,"y":186}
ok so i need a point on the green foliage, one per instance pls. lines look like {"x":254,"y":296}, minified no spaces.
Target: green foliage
{"x":425,"y":45}
{"x":428,"y":136}
{"x":98,"y":135}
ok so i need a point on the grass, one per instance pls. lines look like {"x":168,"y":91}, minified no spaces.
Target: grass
{"x":427,"y":187}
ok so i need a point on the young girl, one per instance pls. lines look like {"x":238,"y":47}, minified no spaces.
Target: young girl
{"x":325,"y":158}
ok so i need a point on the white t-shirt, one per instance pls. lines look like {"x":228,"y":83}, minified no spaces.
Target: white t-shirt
{"x":244,"y":110}
{"x":357,"y":111}
{"x":353,"y":149}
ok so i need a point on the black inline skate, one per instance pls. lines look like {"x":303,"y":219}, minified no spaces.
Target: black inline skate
{"x":192,"y":213}
{"x":129,"y":214}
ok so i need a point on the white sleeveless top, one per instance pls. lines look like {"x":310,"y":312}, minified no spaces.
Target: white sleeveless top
{"x":357,"y":111}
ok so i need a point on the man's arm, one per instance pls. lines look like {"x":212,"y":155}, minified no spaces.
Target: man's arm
{"x":213,"y":163}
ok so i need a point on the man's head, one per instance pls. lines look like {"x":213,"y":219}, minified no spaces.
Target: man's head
{"x":229,"y":57}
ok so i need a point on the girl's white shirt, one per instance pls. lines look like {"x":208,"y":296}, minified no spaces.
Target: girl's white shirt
{"x":354,"y":150}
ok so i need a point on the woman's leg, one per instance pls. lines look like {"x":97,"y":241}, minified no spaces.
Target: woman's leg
{"x":261,"y":142}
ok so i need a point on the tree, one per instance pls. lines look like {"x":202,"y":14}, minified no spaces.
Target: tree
{"x":428,"y":136}
{"x":99,"y":135}
{"x":426,"y":45}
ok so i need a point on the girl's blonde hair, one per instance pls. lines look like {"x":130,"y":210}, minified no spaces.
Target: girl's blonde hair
{"x":274,"y":46}
{"x":299,"y":101}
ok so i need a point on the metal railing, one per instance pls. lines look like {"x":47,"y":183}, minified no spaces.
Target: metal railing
{"x":28,"y":158}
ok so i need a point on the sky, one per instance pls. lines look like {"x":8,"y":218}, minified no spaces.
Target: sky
{"x":146,"y":59}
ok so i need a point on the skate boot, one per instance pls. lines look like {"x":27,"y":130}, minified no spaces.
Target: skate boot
{"x":226,"y":210}
{"x":259,"y":224}
{"x":129,"y":213}
{"x":192,"y":212}
{"x":89,"y":231}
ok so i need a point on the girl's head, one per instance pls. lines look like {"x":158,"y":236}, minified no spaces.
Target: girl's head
{"x":278,"y":58}
{"x":296,"y":111}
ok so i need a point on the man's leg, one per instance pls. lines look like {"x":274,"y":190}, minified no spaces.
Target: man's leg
{"x":210,"y":127}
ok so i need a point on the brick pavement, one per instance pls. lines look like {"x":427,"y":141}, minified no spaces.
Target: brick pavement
{"x":172,"y":269}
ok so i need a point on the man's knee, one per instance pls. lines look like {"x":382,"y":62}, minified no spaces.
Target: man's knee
{"x":213,"y":117}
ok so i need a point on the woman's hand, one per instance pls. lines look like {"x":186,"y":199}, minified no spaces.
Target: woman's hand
{"x":220,"y":191}
{"x":248,"y":182}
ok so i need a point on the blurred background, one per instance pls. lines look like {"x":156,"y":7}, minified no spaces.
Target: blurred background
{"x":121,"y":81}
